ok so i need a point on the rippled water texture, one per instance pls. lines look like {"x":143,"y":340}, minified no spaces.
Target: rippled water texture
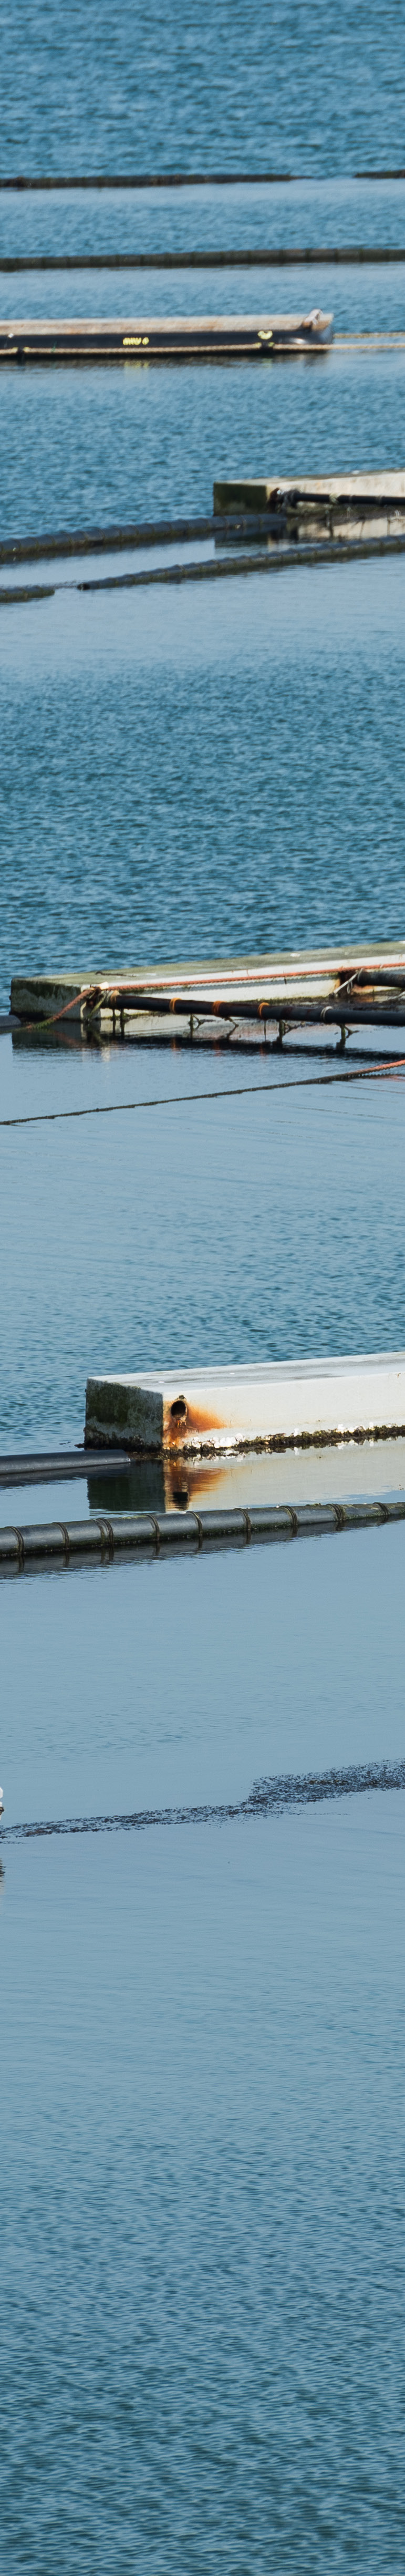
{"x":205,"y":771}
{"x":202,"y":2094}
{"x":201,"y":2105}
{"x":230,"y":1229}
{"x":85,"y":444}
{"x":275,"y":90}
{"x":202,"y":2232}
{"x":309,"y":212}
{"x":93,"y":445}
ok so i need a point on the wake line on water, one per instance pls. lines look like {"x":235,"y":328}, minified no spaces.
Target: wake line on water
{"x":272,"y":1797}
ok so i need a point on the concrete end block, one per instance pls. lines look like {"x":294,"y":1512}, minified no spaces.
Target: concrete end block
{"x":249,"y":494}
{"x":122,"y":1413}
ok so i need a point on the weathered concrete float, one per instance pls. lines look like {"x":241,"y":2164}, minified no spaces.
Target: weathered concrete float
{"x":239,"y":335}
{"x":318,"y":504}
{"x":278,"y":1404}
{"x":357,"y":986}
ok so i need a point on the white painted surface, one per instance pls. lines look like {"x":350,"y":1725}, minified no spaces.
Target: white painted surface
{"x":258,"y":490}
{"x":214,"y":1409}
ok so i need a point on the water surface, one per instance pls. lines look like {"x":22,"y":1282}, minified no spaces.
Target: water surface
{"x":201,"y":2029}
{"x":204,"y":771}
{"x":227,"y":1229}
{"x":89,"y":445}
{"x":202,"y":2198}
{"x":310,"y":212}
{"x":278,"y":90}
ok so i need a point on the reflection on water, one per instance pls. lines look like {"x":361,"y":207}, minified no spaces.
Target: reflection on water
{"x":340,"y":1472}
{"x":141,"y":1489}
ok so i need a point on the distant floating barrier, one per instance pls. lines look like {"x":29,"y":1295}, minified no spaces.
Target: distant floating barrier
{"x":19,"y":179}
{"x":343,"y":255}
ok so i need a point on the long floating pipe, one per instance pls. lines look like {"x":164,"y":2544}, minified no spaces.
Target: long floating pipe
{"x":50,"y":1465}
{"x":339,"y":255}
{"x":161,"y":179}
{"x":285,"y":559}
{"x":132,"y":533}
{"x":17,"y":180}
{"x":332,"y":1013}
{"x":162,"y":532}
{"x":140,"y":1535}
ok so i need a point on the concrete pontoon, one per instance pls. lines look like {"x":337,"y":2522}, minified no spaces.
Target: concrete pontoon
{"x":318,"y":504}
{"x":276,"y":1404}
{"x":360,"y":985}
{"x":174,"y":336}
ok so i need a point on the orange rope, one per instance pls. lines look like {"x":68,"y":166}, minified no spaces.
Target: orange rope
{"x":49,"y":1023}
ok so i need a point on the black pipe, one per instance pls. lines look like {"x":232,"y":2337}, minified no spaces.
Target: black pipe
{"x":54,"y":1464}
{"x":80,"y":541}
{"x":139,"y":1534}
{"x":337,"y":256}
{"x":339,"y":1010}
{"x":157,"y":179}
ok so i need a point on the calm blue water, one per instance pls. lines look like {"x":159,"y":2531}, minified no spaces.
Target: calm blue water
{"x":161,"y":1685}
{"x":186,"y":773}
{"x":202,"y":2093}
{"x":361,"y":298}
{"x":91,"y":445}
{"x":310,"y":212}
{"x":215,"y":769}
{"x":233,"y":1229}
{"x":273,"y":89}
{"x":201,"y":2030}
{"x":202,"y":2196}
